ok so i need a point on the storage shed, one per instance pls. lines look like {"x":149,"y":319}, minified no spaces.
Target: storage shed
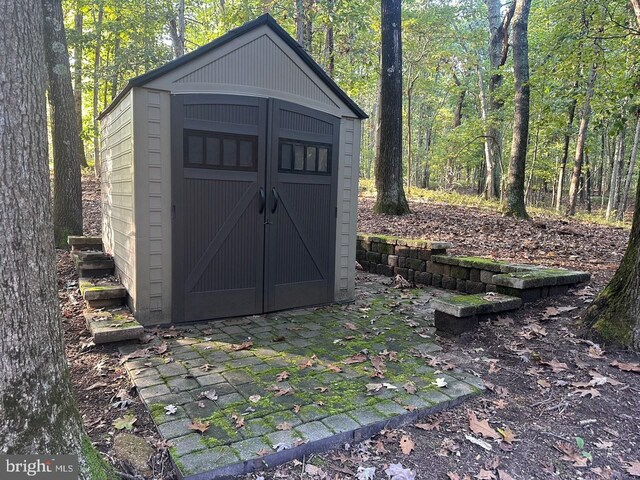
{"x":230,"y":180}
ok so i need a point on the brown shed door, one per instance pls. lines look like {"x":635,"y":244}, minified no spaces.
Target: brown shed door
{"x":254,"y":221}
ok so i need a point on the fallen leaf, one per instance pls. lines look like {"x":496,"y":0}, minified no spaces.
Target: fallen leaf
{"x":429,"y":426}
{"x":588,"y":391}
{"x":238,"y":419}
{"x":357,"y":358}
{"x":507,"y":435}
{"x":543,"y":383}
{"x":210,"y":394}
{"x":282,"y":376}
{"x":626,"y":367}
{"x":485,"y":475}
{"x":478,"y":441}
{"x":350,"y":326}
{"x":367,"y":473}
{"x":373,"y":387}
{"x":283,"y":426}
{"x":206,"y":367}
{"x":97,"y":385}
{"x":500,"y":404}
{"x":482,"y":427}
{"x":314,"y":471}
{"x":322,"y":389}
{"x":396,"y":471}
{"x":124,"y":423}
{"x":170,"y":409}
{"x":406,"y":444}
{"x":594,"y":351}
{"x":254,"y":398}
{"x":199,"y":426}
{"x":334,"y":368}
{"x":571,"y":454}
{"x":633,"y":468}
{"x":305,"y":364}
{"x":502,"y":475}
{"x":556,"y":366}
{"x":296,"y":408}
{"x":410,"y":387}
{"x":555,"y":311}
{"x":439,"y":382}
{"x":242,"y":346}
{"x":603,"y":445}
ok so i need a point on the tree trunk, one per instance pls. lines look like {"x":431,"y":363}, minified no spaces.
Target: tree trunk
{"x":329,"y":58}
{"x":38,"y":414}
{"x":457,"y":112}
{"x":68,"y":151}
{"x":630,"y":172}
{"x":565,"y":152}
{"x":114,"y":78}
{"x":176,"y":31}
{"x":300,"y":31}
{"x":96,"y":89}
{"x":515,"y":206}
{"x":77,"y":69}
{"x":581,"y":140}
{"x":390,"y":193}
{"x":489,"y":187}
{"x":498,"y":50}
{"x":615,"y":175}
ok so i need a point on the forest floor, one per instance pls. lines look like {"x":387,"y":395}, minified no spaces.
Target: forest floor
{"x":557,"y":405}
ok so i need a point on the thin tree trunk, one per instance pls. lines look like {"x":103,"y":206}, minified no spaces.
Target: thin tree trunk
{"x":588,"y":181}
{"x":96,"y":89}
{"x":390,"y":193}
{"x":630,"y":172}
{"x":329,"y":58}
{"x":565,"y":152}
{"x":300,"y":24}
{"x":581,"y":140}
{"x":498,"y":51}
{"x":457,"y":112}
{"x":489,"y":187}
{"x":68,"y":151}
{"x":515,"y":187}
{"x":38,"y":414}
{"x":614,"y":189}
{"x":114,"y":78}
{"x":77,"y":68}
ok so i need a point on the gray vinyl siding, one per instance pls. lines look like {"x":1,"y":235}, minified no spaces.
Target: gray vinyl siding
{"x":347,"y":209}
{"x":117,"y":186}
{"x":256,"y":64}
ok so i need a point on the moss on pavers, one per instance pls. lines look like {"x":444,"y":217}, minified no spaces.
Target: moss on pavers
{"x":207,"y":460}
{"x":470,"y":262}
{"x":478,"y":304}
{"x":187,"y":444}
{"x":547,"y":277}
{"x":251,"y":448}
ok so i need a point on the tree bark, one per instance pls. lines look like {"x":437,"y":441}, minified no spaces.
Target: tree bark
{"x":565,"y":152}
{"x":176,"y":31}
{"x":630,"y":171}
{"x":515,"y":206}
{"x":615,"y":314}
{"x":38,"y":414}
{"x":77,"y":69}
{"x":489,"y":187}
{"x":68,"y":152}
{"x":498,"y":51}
{"x":329,"y":57}
{"x":581,"y":140}
{"x":96,"y":88}
{"x":612,"y":204}
{"x":390,"y":193}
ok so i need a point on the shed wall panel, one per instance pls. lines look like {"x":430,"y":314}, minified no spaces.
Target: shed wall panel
{"x":117,"y":187}
{"x":347,"y":209}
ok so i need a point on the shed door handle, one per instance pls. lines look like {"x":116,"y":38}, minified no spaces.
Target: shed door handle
{"x":276,"y":200}
{"x":263,"y":200}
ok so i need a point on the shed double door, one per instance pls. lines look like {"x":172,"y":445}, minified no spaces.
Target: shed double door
{"x":254,"y":198}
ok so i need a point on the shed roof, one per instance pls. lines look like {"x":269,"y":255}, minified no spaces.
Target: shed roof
{"x":265,"y":19}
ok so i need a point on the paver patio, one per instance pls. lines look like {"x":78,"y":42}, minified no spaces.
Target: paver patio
{"x":276,"y":387}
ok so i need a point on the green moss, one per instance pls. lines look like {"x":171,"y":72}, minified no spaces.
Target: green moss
{"x":98,"y":468}
{"x":470,"y":300}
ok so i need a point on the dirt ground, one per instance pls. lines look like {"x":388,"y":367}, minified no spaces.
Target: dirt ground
{"x":556,"y":406}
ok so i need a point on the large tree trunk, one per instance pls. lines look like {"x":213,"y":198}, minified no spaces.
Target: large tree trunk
{"x":38,"y":414}
{"x":390,"y":193}
{"x":630,"y":171}
{"x":498,"y":51}
{"x":615,"y":314}
{"x":565,"y":153}
{"x":68,"y":152}
{"x":515,"y":186}
{"x":581,"y":140}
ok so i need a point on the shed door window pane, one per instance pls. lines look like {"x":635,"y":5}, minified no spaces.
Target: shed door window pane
{"x":213,"y":151}
{"x":196,"y":149}
{"x":229,"y":152}
{"x":246,"y":153}
{"x":298,"y":163}
{"x":285,"y":156}
{"x":310,"y":166}
{"x":323,"y":159}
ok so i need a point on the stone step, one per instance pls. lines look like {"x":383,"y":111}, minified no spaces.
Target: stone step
{"x":115,"y":325}
{"x":83,"y":256}
{"x":461,"y":313}
{"x":103,"y":293}
{"x":95,"y":268}
{"x":80,"y":242}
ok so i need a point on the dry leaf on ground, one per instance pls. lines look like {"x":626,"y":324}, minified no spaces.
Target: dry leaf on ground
{"x":482,"y":427}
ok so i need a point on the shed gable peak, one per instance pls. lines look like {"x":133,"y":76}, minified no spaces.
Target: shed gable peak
{"x":263,"y":64}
